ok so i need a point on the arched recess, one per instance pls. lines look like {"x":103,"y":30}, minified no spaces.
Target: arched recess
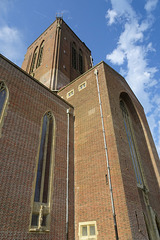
{"x":4,"y":96}
{"x":131,"y":141}
{"x":40,"y":218}
{"x":40,"y":54}
{"x":135,"y":136}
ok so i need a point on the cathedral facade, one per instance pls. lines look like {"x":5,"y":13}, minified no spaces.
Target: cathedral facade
{"x":77,"y":157}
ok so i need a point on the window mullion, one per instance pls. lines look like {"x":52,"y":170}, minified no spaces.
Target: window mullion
{"x":88,"y":231}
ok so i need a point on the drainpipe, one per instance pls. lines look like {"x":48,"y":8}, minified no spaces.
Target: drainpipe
{"x":67,"y":180}
{"x":107,"y":160}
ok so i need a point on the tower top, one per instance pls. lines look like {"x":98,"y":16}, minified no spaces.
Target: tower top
{"x":59,"y":15}
{"x":57,"y":56}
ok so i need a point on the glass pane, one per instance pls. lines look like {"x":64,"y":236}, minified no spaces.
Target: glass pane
{"x":84,"y":231}
{"x":48,"y":160}
{"x":40,"y":161}
{"x":92,"y":230}
{"x":34,"y":220}
{"x":2,"y":99}
{"x":44,"y":220}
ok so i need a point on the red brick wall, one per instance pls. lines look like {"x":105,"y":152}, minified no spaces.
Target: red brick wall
{"x":149,"y":159}
{"x":28,"y":102}
{"x":92,"y":195}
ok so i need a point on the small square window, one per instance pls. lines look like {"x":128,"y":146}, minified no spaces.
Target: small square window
{"x":82,"y":86}
{"x":88,"y":231}
{"x":70,"y":93}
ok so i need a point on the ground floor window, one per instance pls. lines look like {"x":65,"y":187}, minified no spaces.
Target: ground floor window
{"x":88,"y":230}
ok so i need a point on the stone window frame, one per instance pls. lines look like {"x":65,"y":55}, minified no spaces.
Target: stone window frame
{"x":41,"y":210}
{"x":87,"y":225}
{"x":5,"y":103}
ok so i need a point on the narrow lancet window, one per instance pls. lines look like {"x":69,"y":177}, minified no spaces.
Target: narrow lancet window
{"x":33,"y":60}
{"x":3,"y":95}
{"x":3,"y":100}
{"x":40,"y":54}
{"x":74,"y":56}
{"x":80,"y":61}
{"x":131,"y":143}
{"x":41,"y":205}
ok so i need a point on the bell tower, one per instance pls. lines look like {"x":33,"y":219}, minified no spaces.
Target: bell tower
{"x":57,"y":56}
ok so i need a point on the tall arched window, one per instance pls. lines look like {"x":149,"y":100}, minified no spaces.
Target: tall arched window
{"x":80,"y":61}
{"x":41,"y":205}
{"x":74,"y":56}
{"x":40,"y":54}
{"x":3,"y":100}
{"x":33,"y":60}
{"x":131,"y":142}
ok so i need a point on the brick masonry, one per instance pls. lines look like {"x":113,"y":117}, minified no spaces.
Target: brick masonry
{"x":28,"y":102}
{"x":92,"y":195}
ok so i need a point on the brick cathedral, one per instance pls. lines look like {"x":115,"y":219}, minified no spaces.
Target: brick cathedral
{"x":77,"y":157}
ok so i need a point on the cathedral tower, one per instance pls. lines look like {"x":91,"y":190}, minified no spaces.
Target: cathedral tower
{"x":57,"y":56}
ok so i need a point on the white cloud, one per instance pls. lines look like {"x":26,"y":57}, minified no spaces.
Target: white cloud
{"x":120,"y":8}
{"x":131,"y":54}
{"x":117,"y":56}
{"x":11,"y":43}
{"x":11,"y":38}
{"x":111,"y":16}
{"x":150,"y":5}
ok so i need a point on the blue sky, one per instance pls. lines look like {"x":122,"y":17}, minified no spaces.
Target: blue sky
{"x":123,"y":33}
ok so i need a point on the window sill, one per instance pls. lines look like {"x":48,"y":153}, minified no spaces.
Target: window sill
{"x":38,"y":230}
